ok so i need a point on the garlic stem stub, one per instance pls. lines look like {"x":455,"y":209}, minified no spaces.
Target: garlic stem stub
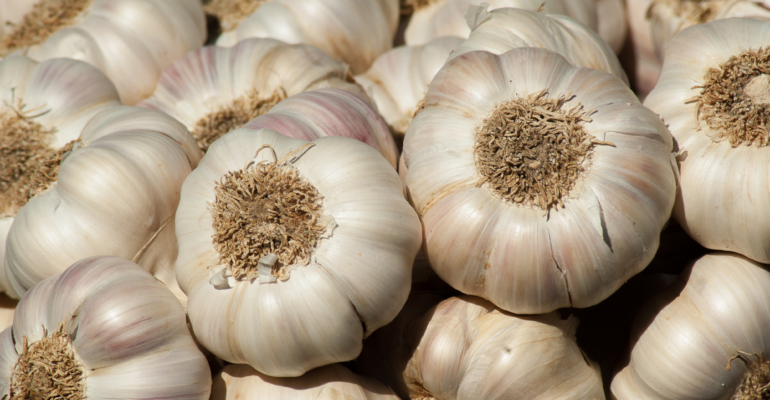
{"x":705,"y":338}
{"x":539,"y":185}
{"x":713,"y":96}
{"x":291,"y":252}
{"x":104,"y":328}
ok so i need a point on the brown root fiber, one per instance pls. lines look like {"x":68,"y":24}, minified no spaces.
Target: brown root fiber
{"x":47,"y":369}
{"x":410,"y":6}
{"x":755,"y":385}
{"x":530,"y":151}
{"x":732,"y":101}
{"x":268,"y":208}
{"x":232,"y":116}
{"x":694,"y":11}
{"x":46,"y":18}
{"x":230,"y":13}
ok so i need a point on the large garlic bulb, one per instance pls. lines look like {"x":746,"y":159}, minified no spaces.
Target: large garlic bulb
{"x":713,"y":95}
{"x":291,"y":252}
{"x":539,"y":185}
{"x":44,"y":106}
{"x":131,"y":41}
{"x":331,"y":382}
{"x":103,"y":329}
{"x":214,"y":90}
{"x":398,"y":79}
{"x":436,"y":18}
{"x":505,"y":29}
{"x":355,"y":31}
{"x":466,"y":349}
{"x":113,"y":190}
{"x":705,"y":338}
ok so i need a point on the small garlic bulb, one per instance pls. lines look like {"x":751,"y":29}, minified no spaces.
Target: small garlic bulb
{"x":612,"y":23}
{"x":713,"y":95}
{"x":644,"y":64}
{"x":504,"y":29}
{"x":331,"y":382}
{"x":436,"y":18}
{"x":354,"y":31}
{"x":705,"y":338}
{"x":112,"y":191}
{"x":103,"y":329}
{"x":539,"y":185}
{"x":214,"y":90}
{"x":291,"y":252}
{"x":465,"y":349}
{"x":398,"y":79}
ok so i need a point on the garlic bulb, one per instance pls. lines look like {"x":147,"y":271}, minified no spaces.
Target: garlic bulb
{"x":539,"y":185}
{"x":504,"y":29}
{"x":7,"y":309}
{"x":131,"y":41}
{"x":398,"y":79}
{"x":464,"y":348}
{"x":331,"y":382}
{"x":11,"y":14}
{"x":111,"y":191}
{"x":705,"y":338}
{"x":355,"y":31}
{"x":713,"y":96}
{"x":643,"y":63}
{"x":292,"y":251}
{"x":44,"y":107}
{"x":437,"y":18}
{"x":103,"y":329}
{"x":612,"y":24}
{"x":329,"y":112}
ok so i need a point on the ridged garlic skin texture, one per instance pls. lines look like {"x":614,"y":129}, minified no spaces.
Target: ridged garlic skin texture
{"x":398,"y":79}
{"x":131,"y":41}
{"x":329,"y":112}
{"x":127,"y":330}
{"x":116,"y":194}
{"x":63,"y":94}
{"x":722,"y":200}
{"x":356,"y":281}
{"x":501,"y":30}
{"x":331,"y":382}
{"x":354,"y":31}
{"x":447,"y":17}
{"x":521,"y":258}
{"x":718,"y":307}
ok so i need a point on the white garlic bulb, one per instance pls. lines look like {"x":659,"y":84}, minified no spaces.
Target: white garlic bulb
{"x":501,"y":30}
{"x":103,"y":329}
{"x":112,"y":191}
{"x":214,"y":90}
{"x":398,"y":79}
{"x":612,"y":23}
{"x":331,"y":382}
{"x":291,"y":252}
{"x":539,"y":185}
{"x":437,"y":18}
{"x":712,"y":94}
{"x":131,"y":41}
{"x":465,"y":349}
{"x":329,"y":112}
{"x":643,"y":62}
{"x":355,"y":31}
{"x":704,"y":337}
{"x":44,"y":107}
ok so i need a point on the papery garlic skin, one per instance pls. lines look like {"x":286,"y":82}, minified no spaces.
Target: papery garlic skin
{"x":722,"y":199}
{"x":717,"y":308}
{"x":116,"y":194}
{"x":127,"y":329}
{"x":520,"y":257}
{"x":399,"y":78}
{"x":447,"y":17}
{"x":238,"y":381}
{"x":329,"y":112}
{"x":131,"y":41}
{"x":357,"y":278}
{"x":612,"y":24}
{"x":355,"y":31}
{"x":501,"y":30}
{"x":645,"y":65}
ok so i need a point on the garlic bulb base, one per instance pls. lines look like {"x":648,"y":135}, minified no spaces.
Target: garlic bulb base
{"x":231,"y":12}
{"x":756,"y":382}
{"x":45,"y":18}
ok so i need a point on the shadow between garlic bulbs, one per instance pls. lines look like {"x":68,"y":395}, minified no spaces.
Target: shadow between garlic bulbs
{"x":286,"y":317}
{"x":593,"y":224}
